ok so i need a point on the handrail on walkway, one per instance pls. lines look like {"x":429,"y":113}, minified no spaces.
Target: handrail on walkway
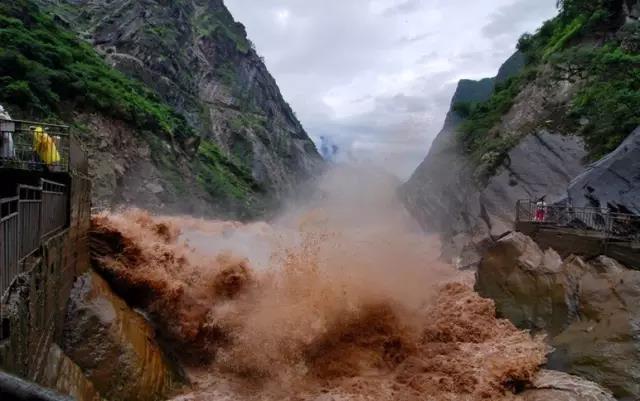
{"x":623,"y":226}
{"x":26,"y":220}
{"x":31,"y":145}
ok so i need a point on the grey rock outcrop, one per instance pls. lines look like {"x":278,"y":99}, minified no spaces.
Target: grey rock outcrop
{"x":446,"y":196}
{"x":543,"y":163}
{"x":122,"y":165}
{"x":613,"y":182}
{"x":200,"y":61}
{"x":436,"y":194}
{"x":114,"y":346}
{"x":590,"y":310}
{"x":557,"y":386}
{"x":631,"y":9}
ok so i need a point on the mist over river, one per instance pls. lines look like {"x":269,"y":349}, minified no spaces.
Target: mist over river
{"x":343,"y":298}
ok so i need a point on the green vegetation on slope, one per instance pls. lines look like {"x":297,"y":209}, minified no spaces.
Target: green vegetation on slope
{"x":221,"y":22}
{"x":578,"y":43}
{"x":44,"y":68}
{"x":481,"y":117}
{"x":220,"y":175}
{"x":45,"y":71}
{"x":609,"y":102}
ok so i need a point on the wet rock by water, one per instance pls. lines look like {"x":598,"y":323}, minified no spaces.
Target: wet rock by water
{"x":114,"y":346}
{"x":62,"y":374}
{"x":557,"y":386}
{"x":590,"y":310}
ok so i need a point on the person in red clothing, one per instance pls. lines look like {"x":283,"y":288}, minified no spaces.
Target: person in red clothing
{"x":541,"y":206}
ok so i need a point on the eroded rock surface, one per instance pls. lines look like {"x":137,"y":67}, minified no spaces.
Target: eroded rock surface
{"x":557,"y":386}
{"x":62,"y":374}
{"x":113,"y":345}
{"x":446,"y":194}
{"x":613,"y":182}
{"x":590,"y":310}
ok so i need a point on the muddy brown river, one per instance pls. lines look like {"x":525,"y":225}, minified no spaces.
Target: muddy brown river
{"x":343,"y":299}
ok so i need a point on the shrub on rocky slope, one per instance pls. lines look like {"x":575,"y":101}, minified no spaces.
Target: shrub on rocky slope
{"x":590,"y":44}
{"x":574,"y":99}
{"x":44,"y":69}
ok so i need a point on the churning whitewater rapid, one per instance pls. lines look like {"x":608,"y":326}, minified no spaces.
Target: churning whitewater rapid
{"x":343,"y":299}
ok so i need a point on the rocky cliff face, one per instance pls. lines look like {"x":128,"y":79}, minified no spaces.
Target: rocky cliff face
{"x":588,"y":309}
{"x":201,"y":63}
{"x":446,"y":196}
{"x":612,"y":182}
{"x":531,"y":130}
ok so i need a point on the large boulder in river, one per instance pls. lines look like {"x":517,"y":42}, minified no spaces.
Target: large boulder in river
{"x":113,"y":345}
{"x":515,"y":272}
{"x":590,"y":310}
{"x":613,"y":181}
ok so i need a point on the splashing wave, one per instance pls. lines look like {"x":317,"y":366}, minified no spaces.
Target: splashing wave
{"x":313,"y":307}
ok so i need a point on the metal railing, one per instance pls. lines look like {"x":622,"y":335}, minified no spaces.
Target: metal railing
{"x":29,"y":209}
{"x":34,"y":146}
{"x":9,"y":241}
{"x":612,"y":225}
{"x":54,"y":207}
{"x":26,"y":220}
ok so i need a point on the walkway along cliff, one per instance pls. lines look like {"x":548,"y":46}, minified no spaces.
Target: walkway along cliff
{"x":585,"y":231}
{"x":43,"y":229}
{"x":46,"y":208}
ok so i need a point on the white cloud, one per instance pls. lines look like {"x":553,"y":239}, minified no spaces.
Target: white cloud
{"x":378,"y":75}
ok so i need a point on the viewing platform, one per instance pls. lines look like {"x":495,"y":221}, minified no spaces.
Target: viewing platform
{"x":33,"y":145}
{"x":34,"y":190}
{"x":584,"y":231}
{"x":45,"y":214}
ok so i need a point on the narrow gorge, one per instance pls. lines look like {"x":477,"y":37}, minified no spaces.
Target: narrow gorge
{"x":169,"y":230}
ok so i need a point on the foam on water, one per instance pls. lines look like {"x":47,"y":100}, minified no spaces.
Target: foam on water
{"x":339,"y":299}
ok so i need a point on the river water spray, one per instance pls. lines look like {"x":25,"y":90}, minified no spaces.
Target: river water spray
{"x":340,"y":299}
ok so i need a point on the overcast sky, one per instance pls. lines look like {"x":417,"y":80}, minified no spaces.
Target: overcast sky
{"x":377,"y":76}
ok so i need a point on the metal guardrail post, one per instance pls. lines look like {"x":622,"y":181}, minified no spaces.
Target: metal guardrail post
{"x":9,"y":241}
{"x":30,"y":207}
{"x":54,"y":207}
